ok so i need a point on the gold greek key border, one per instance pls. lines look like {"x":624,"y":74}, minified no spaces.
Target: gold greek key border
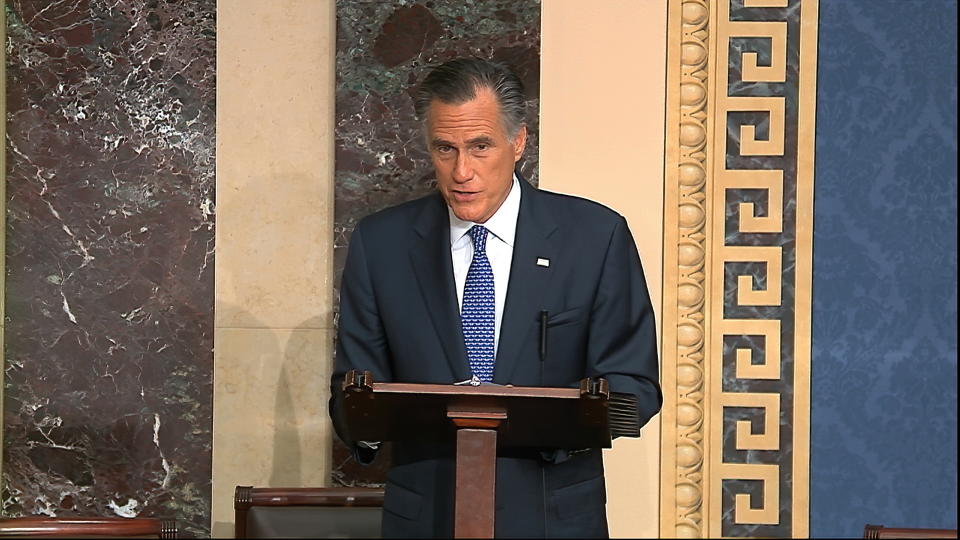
{"x":690,"y":503}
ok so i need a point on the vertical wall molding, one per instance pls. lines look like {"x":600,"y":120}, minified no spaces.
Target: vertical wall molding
{"x":685,"y":210}
{"x":738,"y":221}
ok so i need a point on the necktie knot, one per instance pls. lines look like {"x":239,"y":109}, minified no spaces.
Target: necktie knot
{"x":479,"y":235}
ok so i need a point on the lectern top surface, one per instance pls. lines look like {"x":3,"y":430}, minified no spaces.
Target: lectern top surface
{"x":484,"y":389}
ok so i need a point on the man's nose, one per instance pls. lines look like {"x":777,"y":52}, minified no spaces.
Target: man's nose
{"x":463,"y":170}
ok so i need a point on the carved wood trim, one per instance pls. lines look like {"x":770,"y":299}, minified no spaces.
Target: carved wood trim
{"x":738,"y":226}
{"x":246,"y":497}
{"x":687,"y":151}
{"x":79,"y":527}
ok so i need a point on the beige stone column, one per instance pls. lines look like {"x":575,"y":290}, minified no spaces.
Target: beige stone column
{"x":273,"y":325}
{"x":602,"y":137}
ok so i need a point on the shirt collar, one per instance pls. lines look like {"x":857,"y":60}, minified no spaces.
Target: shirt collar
{"x":503,"y":223}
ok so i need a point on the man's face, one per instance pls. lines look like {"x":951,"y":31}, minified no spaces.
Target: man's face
{"x":473,"y":155}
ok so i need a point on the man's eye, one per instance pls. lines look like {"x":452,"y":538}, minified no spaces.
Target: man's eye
{"x":483,"y":147}
{"x":444,"y":149}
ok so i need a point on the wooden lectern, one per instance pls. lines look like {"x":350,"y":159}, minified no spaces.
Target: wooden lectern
{"x":480,"y":418}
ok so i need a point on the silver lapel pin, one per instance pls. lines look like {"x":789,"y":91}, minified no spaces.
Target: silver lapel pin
{"x":543,"y":262}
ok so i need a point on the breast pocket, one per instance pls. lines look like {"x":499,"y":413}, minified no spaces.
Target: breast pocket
{"x":565,"y":352}
{"x":565,"y":317}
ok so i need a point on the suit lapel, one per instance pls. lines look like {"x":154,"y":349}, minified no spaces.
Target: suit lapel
{"x":434,"y":270}
{"x":528,"y":281}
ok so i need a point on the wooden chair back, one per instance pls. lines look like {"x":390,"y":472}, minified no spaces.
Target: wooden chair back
{"x":879,"y":531}
{"x":90,"y":527}
{"x":307,"y":512}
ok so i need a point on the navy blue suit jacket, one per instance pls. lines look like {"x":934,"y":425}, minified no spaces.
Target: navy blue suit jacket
{"x":399,"y":319}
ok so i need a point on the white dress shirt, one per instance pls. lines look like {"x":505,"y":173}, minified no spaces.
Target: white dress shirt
{"x":503,"y":231}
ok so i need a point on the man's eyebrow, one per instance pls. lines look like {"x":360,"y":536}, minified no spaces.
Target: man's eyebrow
{"x":440,"y":142}
{"x":483,"y":139}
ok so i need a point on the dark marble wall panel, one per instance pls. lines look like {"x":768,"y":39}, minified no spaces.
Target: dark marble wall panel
{"x":884,"y":411}
{"x":383,"y":50}
{"x":109,"y":298}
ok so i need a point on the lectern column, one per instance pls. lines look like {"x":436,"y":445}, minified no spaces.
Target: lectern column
{"x":475,"y":503}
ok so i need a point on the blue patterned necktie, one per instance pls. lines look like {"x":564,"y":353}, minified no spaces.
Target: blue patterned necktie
{"x":477,"y":314}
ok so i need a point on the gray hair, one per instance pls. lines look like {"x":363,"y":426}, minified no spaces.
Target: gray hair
{"x":458,"y":81}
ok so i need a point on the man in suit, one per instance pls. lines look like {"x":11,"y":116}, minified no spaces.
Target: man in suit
{"x":450,"y":288}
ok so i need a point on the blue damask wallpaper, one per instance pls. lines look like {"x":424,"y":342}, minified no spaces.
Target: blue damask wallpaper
{"x":884,"y":416}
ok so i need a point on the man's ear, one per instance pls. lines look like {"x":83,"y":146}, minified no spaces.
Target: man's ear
{"x":519,"y":143}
